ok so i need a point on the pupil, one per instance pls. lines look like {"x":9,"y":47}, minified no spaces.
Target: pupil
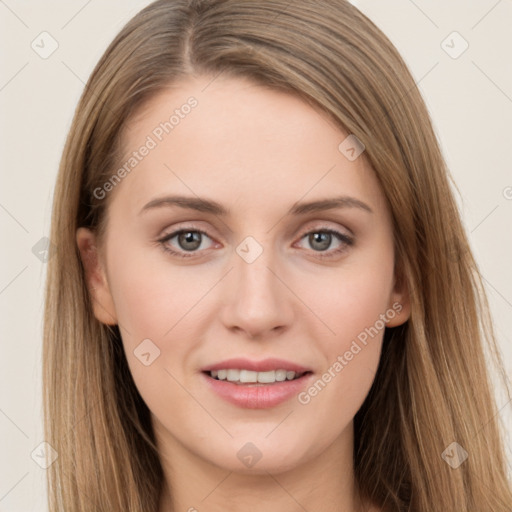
{"x":188,"y":237}
{"x":318,"y":236}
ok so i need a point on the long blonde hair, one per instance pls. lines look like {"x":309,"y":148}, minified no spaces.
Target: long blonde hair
{"x":432,"y":386}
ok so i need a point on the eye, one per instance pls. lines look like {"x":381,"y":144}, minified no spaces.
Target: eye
{"x":189,"y":240}
{"x":321,"y":240}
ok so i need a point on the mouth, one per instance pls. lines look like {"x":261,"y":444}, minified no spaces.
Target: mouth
{"x":250,"y":384}
{"x":245,"y":377}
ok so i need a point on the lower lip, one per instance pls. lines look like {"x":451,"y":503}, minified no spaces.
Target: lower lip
{"x":258,"y":396}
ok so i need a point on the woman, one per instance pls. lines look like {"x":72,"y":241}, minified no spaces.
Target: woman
{"x":320,"y":344}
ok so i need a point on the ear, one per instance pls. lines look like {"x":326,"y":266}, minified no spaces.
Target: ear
{"x":103,"y":304}
{"x":399,"y":302}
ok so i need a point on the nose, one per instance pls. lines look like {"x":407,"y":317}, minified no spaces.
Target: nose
{"x":258,"y":303}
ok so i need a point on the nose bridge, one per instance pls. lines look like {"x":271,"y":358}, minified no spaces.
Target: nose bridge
{"x":253,"y":261}
{"x":258,"y":301}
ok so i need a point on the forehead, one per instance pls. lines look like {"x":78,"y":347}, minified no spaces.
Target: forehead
{"x":231,"y":109}
{"x":211,"y":136}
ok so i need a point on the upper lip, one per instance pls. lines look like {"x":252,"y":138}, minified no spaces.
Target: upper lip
{"x":264,"y":365}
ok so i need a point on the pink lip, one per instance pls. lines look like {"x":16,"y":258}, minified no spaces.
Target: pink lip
{"x":257,"y":396}
{"x":256,"y":366}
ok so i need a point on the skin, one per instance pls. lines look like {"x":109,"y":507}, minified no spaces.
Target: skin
{"x":257,"y":152}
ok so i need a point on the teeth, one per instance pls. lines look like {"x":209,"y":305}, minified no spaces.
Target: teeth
{"x":280,"y":375}
{"x":267,"y":377}
{"x":233,"y":375}
{"x":249,"y":376}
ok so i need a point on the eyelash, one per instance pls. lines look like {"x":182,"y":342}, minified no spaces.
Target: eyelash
{"x":347,"y":242}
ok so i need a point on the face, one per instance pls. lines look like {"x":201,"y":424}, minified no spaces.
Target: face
{"x":258,"y":282}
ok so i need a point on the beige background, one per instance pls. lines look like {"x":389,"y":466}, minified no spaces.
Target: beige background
{"x":469,"y":97}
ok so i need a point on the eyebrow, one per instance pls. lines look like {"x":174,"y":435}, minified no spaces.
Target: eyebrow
{"x":209,"y":206}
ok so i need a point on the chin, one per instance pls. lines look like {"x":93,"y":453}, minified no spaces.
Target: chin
{"x":251,"y":455}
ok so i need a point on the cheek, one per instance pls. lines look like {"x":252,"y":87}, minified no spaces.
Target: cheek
{"x":152,"y":307}
{"x":155,"y":302}
{"x":150,"y":298}
{"x":351,"y":305}
{"x":350,"y":299}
